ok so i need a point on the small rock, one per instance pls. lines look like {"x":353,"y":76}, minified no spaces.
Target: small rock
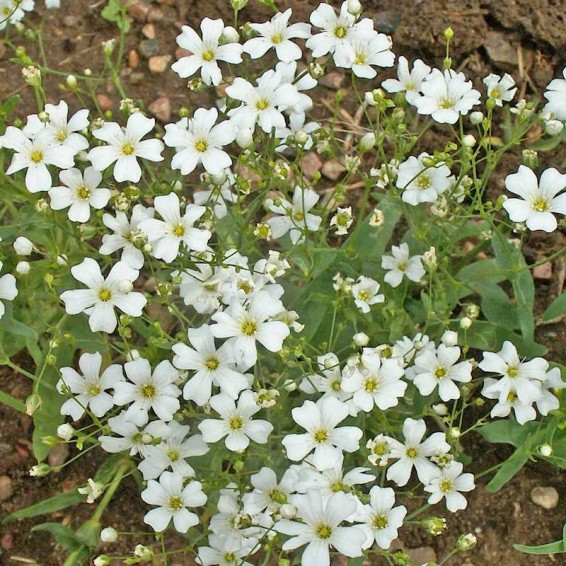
{"x":311,"y":164}
{"x":105,"y":102}
{"x":149,"y":31}
{"x":500,"y":51}
{"x":422,"y":555}
{"x":6,"y":488}
{"x":161,"y":108}
{"x":221,"y":90}
{"x":133,"y":59}
{"x":70,"y":21}
{"x":333,"y":80}
{"x":137,"y":78}
{"x":58,"y":455}
{"x":155,"y":15}
{"x":7,"y":541}
{"x":545,"y":497}
{"x":149,"y":48}
{"x":387,"y":21}
{"x":543,"y":271}
{"x":333,"y":170}
{"x":159,"y":63}
{"x":139,"y":11}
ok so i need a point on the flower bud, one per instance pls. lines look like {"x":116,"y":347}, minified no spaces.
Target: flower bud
{"x":301,"y":137}
{"x":449,"y":338}
{"x":109,"y":534}
{"x":71,"y":81}
{"x":529,"y":157}
{"x":361,"y":339}
{"x":62,"y":260}
{"x":40,"y":471}
{"x":245,"y":138}
{"x":23,"y":246}
{"x":288,"y":511}
{"x":125,"y":286}
{"x":545,"y":450}
{"x":434,"y":525}
{"x":23,"y":267}
{"x":65,"y":431}
{"x":469,"y":141}
{"x":476,"y":118}
{"x":553,"y":127}
{"x":230,"y":35}
{"x":102,"y":560}
{"x":440,"y":409}
{"x":454,"y":433}
{"x":466,"y":542}
{"x":367,"y":142}
{"x":466,"y":322}
{"x":354,"y":7}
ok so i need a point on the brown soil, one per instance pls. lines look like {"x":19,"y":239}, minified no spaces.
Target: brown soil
{"x":524,"y":37}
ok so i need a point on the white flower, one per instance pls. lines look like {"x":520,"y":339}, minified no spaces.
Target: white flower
{"x":217,"y":194}
{"x":88,"y":389}
{"x":126,"y":233}
{"x":380,"y":519}
{"x":146,"y":390}
{"x":63,"y":130}
{"x":268,"y":493}
{"x":81,"y":191}
{"x":23,"y":246}
{"x":199,"y":140}
{"x":556,"y":94}
{"x":172,"y":452}
{"x":206,"y":52}
{"x":342,"y":220}
{"x":321,"y":528}
{"x":35,"y":155}
{"x":330,"y":382}
{"x":414,"y":453}
{"x":8,"y":290}
{"x":440,"y":369}
{"x":320,"y":420}
{"x":295,"y":217}
{"x":263,"y":104}
{"x":339,"y":31}
{"x":130,"y":437}
{"x":93,"y":490}
{"x":500,"y":89}
{"x":201,"y":287}
{"x":447,"y":484}
{"x":375,"y":52}
{"x":538,"y":199}
{"x":102,"y":295}
{"x":124,"y":147}
{"x":365,"y":293}
{"x":277,"y":34}
{"x":211,"y":366}
{"x":236,"y":424}
{"x":223,"y":551}
{"x":172,"y":501}
{"x":420,"y":183}
{"x":518,"y":377}
{"x":246,"y":326}
{"x":400,"y":265}
{"x":446,"y":96}
{"x":375,"y":381}
{"x":168,"y":234}
{"x":408,"y":82}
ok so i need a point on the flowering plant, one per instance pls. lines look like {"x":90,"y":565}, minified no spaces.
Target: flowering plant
{"x":284,"y":361}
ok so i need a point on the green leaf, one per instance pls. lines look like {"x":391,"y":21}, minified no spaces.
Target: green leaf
{"x":556,"y":308}
{"x":115,"y":12}
{"x":7,"y":399}
{"x":51,"y":505}
{"x":509,"y":468}
{"x":65,"y":536}
{"x":507,"y":432}
{"x":269,"y":4}
{"x":557,"y":547}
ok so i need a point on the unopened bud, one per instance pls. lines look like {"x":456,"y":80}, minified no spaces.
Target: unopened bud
{"x":361,"y":339}
{"x":65,"y":431}
{"x":466,"y":542}
{"x":109,"y":534}
{"x":23,"y":246}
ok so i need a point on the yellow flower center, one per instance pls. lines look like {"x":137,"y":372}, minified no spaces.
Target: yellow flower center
{"x":61,"y":135}
{"x":424,"y":182}
{"x":380,"y":522}
{"x":380,"y":449}
{"x":324,"y":531}
{"x":340,"y":32}
{"x":412,"y":453}
{"x":371,"y":384}
{"x":212,"y":363}
{"x":364,"y":296}
{"x":94,"y":389}
{"x":249,"y":328}
{"x":336,"y":386}
{"x":208,"y":55}
{"x":179,"y":230}
{"x":236,"y":423}
{"x":127,"y":149}
{"x":402,"y":266}
{"x":148,"y":391}
{"x":83,"y":192}
{"x":36,"y":156}
{"x":512,"y":371}
{"x":496,"y":93}
{"x":262,"y":104}
{"x":104,"y":294}
{"x":298,"y":216}
{"x":175,"y":503}
{"x":446,"y":485}
{"x":440,"y":372}
{"x":229,"y":557}
{"x":540,"y":204}
{"x":277,"y":38}
{"x":320,"y":436}
{"x":360,"y":59}
{"x":201,"y":146}
{"x":337,"y":486}
{"x":446,"y":104}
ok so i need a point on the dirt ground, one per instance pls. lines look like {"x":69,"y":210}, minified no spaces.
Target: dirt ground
{"x":526,"y":38}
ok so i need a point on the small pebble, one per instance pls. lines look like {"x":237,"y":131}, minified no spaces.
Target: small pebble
{"x":137,"y":78}
{"x":545,"y":497}
{"x":155,"y":15}
{"x":149,"y":48}
{"x":333,"y":80}
{"x":159,"y":63}
{"x":133,"y":59}
{"x":149,"y":31}
{"x":70,"y":21}
{"x":58,"y":455}
{"x":139,"y":11}
{"x":333,"y":170}
{"x":161,"y":108}
{"x":105,"y":102}
{"x":311,"y":164}
{"x":6,"y":488}
{"x":387,"y":21}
